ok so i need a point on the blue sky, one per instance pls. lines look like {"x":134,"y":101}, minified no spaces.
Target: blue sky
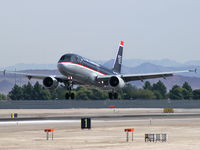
{"x":40,"y":31}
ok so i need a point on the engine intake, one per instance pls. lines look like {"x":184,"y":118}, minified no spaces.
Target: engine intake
{"x":117,"y":82}
{"x":50,"y":83}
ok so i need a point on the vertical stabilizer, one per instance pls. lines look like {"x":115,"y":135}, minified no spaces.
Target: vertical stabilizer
{"x":118,"y":59}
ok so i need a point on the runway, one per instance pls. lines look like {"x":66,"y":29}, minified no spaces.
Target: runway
{"x":93,"y":121}
{"x":115,"y":116}
{"x":107,"y":129}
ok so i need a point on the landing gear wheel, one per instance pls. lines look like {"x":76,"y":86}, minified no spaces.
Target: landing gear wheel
{"x":72,"y":95}
{"x":110,"y":95}
{"x":69,"y":87}
{"x":115,"y":95}
{"x":67,"y":96}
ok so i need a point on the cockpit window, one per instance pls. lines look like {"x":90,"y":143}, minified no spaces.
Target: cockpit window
{"x":73,"y":58}
{"x":62,"y":58}
{"x":66,"y":58}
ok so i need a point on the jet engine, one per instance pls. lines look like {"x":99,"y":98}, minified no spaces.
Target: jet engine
{"x":117,"y":82}
{"x":50,"y":83}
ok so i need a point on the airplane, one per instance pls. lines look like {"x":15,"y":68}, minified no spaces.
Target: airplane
{"x":76,"y":69}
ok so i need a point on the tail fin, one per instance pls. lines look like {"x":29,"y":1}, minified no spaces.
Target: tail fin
{"x":118,"y":59}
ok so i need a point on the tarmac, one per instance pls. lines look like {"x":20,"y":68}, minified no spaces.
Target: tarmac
{"x":107,"y":132}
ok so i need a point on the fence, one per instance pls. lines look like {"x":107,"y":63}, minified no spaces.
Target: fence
{"x":63,"y":104}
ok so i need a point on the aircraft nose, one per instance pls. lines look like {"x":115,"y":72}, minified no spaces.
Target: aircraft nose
{"x":60,"y":66}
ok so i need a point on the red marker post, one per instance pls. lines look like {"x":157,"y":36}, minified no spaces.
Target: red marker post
{"x":127,"y":131}
{"x":112,"y":106}
{"x":47,"y":131}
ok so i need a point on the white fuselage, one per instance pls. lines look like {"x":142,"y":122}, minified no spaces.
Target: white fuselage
{"x":79,"y":73}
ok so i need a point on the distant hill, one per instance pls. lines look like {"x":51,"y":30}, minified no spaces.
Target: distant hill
{"x":152,"y":68}
{"x":22,"y":66}
{"x":171,"y":81}
{"x":126,"y":62}
{"x":162,"y":62}
{"x":6,"y":83}
{"x":131,"y":66}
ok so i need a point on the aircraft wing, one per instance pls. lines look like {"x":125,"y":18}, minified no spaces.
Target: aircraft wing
{"x":27,"y":75}
{"x":60,"y":78}
{"x":134,"y":77}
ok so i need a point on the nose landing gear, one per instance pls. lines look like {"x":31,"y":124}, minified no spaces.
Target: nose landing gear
{"x":69,"y":86}
{"x":113,"y":95}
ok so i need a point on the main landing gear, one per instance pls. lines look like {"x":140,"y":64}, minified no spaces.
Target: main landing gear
{"x":113,"y":95}
{"x":69,"y":86}
{"x":69,"y":95}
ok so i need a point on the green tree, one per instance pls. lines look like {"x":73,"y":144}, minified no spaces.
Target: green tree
{"x":176,"y":93}
{"x":129,"y":92}
{"x":60,"y":93}
{"x":88,"y":93}
{"x":187,"y":93}
{"x":53,"y":94}
{"x":82,"y":93}
{"x":45,"y":95}
{"x":147,"y":86}
{"x":37,"y":89}
{"x":187,"y":86}
{"x":98,"y":94}
{"x":28,"y":93}
{"x":161,"y":88}
{"x":126,"y":92}
{"x":196,"y":94}
{"x":157,"y":94}
{"x":39,"y":93}
{"x":3,"y":97}
{"x":146,"y":94}
{"x":16,"y":93}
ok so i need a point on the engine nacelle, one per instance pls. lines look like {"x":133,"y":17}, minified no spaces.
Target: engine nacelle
{"x":117,"y":82}
{"x":50,"y":83}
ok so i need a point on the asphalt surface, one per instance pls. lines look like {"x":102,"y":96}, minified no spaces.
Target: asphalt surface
{"x":167,"y":115}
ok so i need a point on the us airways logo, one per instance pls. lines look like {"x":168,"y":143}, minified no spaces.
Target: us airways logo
{"x":119,"y":59}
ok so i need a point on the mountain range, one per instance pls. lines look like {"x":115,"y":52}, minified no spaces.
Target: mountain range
{"x":131,"y":66}
{"x":126,"y":62}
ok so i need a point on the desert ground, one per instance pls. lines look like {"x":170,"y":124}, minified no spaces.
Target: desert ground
{"x":106,"y":133}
